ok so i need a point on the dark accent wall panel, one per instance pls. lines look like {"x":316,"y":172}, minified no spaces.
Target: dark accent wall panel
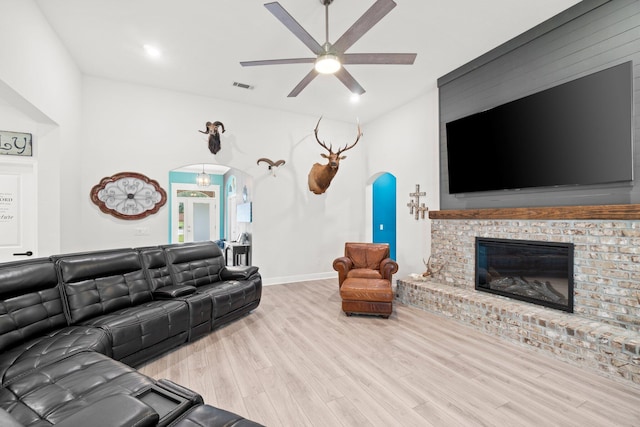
{"x":589,"y":37}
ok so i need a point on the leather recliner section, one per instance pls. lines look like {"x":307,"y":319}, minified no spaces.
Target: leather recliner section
{"x":33,"y":328}
{"x":109,"y":290}
{"x":234,"y":291}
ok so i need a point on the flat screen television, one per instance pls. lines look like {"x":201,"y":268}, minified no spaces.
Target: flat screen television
{"x":577,"y":133}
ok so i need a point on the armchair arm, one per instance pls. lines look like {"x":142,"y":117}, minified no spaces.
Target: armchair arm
{"x":388,"y":268}
{"x":342,"y":265}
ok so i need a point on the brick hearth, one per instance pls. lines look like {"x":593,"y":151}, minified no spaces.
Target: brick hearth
{"x":604,"y":331}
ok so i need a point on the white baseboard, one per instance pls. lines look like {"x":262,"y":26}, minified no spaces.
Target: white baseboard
{"x":301,"y":278}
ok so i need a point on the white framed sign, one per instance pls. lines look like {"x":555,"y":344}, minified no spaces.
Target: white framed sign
{"x":16,"y":143}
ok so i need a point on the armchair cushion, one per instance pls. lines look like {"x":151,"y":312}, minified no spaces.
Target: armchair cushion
{"x":364,"y":273}
{"x":366,"y":255}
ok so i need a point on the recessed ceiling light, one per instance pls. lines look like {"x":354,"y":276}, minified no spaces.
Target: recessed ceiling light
{"x":355,"y":98}
{"x":152,"y":51}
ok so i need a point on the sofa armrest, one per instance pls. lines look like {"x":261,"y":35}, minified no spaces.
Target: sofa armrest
{"x":173,"y":291}
{"x":342,"y":265}
{"x":117,"y":410}
{"x":388,"y":268}
{"x":190,"y":395}
{"x":238,"y":272}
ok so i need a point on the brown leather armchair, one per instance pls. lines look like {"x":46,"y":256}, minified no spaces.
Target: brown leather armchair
{"x":365,"y":261}
{"x":364,"y":277}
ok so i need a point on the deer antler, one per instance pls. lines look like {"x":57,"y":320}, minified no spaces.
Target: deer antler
{"x":430,"y":271}
{"x":322,"y":144}
{"x":330,"y":148}
{"x":349,"y":147}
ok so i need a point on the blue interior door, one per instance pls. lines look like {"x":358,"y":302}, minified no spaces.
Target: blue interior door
{"x":384,"y":211}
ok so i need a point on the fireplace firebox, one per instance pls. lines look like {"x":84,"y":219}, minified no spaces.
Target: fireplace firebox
{"x":534,"y":271}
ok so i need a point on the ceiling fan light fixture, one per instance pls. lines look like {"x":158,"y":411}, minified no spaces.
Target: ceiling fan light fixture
{"x":327,"y":63}
{"x":328,"y":57}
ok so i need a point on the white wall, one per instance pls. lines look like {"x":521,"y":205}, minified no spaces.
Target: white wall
{"x":296,"y":234}
{"x":40,"y":88}
{"x":405,"y":144}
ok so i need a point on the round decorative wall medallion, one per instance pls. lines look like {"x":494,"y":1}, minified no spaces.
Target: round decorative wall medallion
{"x":128,"y":195}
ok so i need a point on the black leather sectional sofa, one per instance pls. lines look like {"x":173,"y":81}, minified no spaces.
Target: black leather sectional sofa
{"x":73,"y":327}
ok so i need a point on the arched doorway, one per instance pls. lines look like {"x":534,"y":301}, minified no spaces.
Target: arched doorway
{"x":384,"y":211}
{"x":209,"y":209}
{"x":196,"y":207}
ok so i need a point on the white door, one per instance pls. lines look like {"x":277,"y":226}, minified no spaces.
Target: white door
{"x":199,"y":220}
{"x":18,"y":219}
{"x":195,"y":213}
{"x":232,"y":218}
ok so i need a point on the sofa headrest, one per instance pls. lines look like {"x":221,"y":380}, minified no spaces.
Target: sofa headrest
{"x":152,"y":257}
{"x":91,"y":265}
{"x":178,"y":254}
{"x":23,"y":277}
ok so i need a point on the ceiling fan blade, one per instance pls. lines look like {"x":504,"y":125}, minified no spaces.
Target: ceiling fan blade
{"x":303,"y":83}
{"x":379,"y":58}
{"x":348,"y":80}
{"x":278,"y":62}
{"x":370,"y":18}
{"x":283,"y":16}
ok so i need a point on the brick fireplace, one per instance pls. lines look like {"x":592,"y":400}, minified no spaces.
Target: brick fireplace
{"x":603,"y":332}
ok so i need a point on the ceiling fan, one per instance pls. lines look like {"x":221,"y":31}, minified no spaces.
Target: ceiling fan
{"x":330,"y":57}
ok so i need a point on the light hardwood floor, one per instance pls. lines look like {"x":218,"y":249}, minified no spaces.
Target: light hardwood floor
{"x":297,"y":360}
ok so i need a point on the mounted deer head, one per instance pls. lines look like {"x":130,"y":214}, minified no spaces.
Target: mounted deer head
{"x":320,"y":176}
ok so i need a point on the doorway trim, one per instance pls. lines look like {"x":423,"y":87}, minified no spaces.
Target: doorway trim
{"x":189,"y":178}
{"x":175,"y":200}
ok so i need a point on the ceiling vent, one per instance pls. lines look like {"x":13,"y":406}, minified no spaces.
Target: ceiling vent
{"x":242,"y":85}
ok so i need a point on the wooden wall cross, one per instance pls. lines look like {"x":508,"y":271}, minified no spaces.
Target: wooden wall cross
{"x":415,"y":207}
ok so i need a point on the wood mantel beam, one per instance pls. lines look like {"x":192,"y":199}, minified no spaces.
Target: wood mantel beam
{"x":623,"y":212}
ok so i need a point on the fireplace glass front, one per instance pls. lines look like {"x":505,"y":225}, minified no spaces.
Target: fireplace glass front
{"x":532,"y":271}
